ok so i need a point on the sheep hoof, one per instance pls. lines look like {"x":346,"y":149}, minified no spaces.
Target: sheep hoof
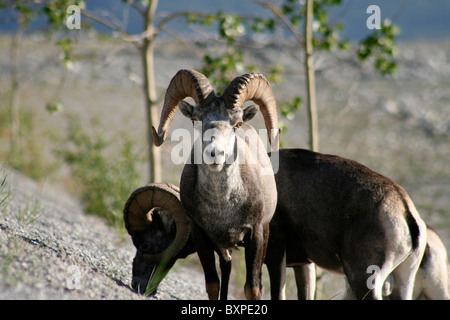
{"x":212,"y":289}
{"x":251,"y":293}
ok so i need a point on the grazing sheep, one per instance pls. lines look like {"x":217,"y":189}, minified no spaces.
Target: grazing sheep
{"x":160,"y":231}
{"x":230,"y":195}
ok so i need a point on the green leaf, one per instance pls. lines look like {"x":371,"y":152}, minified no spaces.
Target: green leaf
{"x":156,"y":277}
{"x":381,"y":46}
{"x":53,"y":107}
{"x":288,"y":109}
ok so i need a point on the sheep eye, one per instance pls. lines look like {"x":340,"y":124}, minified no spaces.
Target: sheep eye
{"x":145,"y":247}
{"x":238,"y":125}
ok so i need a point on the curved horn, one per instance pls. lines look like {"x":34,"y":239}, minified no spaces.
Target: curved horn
{"x":137,"y":216}
{"x":255,"y":87}
{"x":186,"y":83}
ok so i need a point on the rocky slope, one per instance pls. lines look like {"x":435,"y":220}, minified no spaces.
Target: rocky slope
{"x":49,"y":249}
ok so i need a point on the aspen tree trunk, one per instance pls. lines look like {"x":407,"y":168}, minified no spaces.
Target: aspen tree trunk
{"x":147,"y":54}
{"x":310,"y":79}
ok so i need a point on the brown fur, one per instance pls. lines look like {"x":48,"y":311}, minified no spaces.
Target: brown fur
{"x":345,"y":217}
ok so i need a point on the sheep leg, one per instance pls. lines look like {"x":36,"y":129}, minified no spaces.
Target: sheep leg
{"x":305,"y":278}
{"x":225,"y":269}
{"x":277,"y":275}
{"x":255,"y":250}
{"x":365,"y":260}
{"x":404,"y":277}
{"x":276,"y":263}
{"x":205,"y":251}
{"x":358,"y":280}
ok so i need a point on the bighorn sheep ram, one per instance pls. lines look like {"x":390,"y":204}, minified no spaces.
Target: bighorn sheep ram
{"x":230,"y":195}
{"x":347,"y":219}
{"x":160,"y":231}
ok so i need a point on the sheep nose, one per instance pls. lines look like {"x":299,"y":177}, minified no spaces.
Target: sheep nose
{"x":213,"y":153}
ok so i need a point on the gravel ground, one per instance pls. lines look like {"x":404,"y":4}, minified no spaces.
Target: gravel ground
{"x":49,"y":249}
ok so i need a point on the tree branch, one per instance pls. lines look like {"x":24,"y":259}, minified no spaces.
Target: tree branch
{"x":194,"y":50}
{"x":125,"y":36}
{"x":102,"y":21}
{"x":169,"y":18}
{"x":283,"y":19}
{"x":136,"y":7}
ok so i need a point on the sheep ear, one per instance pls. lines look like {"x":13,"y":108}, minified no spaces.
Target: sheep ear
{"x":167,"y":220}
{"x":186,"y":109}
{"x":250,"y":112}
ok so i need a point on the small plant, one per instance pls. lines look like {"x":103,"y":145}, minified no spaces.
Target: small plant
{"x":104,"y":176}
{"x":30,"y":213}
{"x":5,"y":193}
{"x":157,"y":275}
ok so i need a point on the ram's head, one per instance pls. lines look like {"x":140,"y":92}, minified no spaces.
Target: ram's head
{"x":160,"y":230}
{"x":221,"y":118}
